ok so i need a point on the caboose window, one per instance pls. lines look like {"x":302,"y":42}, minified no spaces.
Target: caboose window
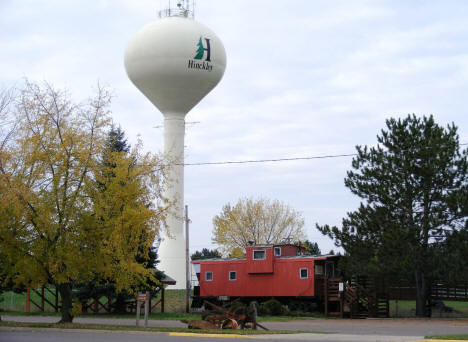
{"x":303,"y":273}
{"x":259,"y":255}
{"x":277,"y":251}
{"x":209,"y":276}
{"x":232,"y":275}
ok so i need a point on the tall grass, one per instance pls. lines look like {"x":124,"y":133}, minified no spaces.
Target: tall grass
{"x":407,"y":308}
{"x":175,"y":303}
{"x":11,"y":301}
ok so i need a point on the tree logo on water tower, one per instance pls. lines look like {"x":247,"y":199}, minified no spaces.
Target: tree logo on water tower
{"x":200,"y":53}
{"x":201,"y":50}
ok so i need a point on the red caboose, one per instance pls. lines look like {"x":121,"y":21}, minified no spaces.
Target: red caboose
{"x":267,"y":271}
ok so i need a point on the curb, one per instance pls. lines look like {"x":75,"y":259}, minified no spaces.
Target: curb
{"x":210,"y":335}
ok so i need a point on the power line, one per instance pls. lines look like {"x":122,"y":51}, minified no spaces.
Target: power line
{"x":229,"y":162}
{"x":275,"y":160}
{"x":268,"y":160}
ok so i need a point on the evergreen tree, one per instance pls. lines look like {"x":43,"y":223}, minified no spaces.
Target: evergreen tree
{"x":206,"y":253}
{"x":452,"y":258}
{"x":200,"y":50}
{"x":116,"y":143}
{"x":410,"y":186}
{"x":311,"y":248}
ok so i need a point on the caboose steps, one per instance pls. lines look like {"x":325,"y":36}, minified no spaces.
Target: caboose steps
{"x":356,"y":299}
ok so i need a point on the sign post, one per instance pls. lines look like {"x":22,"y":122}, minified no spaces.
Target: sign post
{"x":142,"y":297}
{"x":187,"y":261}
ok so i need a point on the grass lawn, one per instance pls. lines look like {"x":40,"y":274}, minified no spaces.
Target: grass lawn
{"x":406,"y":308}
{"x":155,"y":316}
{"x":448,"y":337}
{"x":10,"y":301}
{"x":154,"y":329}
{"x":15,"y":304}
{"x":175,"y":307}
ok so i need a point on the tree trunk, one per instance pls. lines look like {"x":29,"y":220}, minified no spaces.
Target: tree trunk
{"x":120,"y":305}
{"x":65,"y":291}
{"x":421,"y":294}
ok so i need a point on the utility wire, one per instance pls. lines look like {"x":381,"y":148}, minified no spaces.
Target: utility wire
{"x":275,"y":160}
{"x":268,"y":160}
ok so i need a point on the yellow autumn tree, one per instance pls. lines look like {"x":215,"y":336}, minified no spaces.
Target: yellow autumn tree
{"x":5,"y":211}
{"x":261,"y":221}
{"x":128,"y":203}
{"x":56,"y":226}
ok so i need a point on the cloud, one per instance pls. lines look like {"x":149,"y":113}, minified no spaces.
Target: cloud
{"x":316,"y":78}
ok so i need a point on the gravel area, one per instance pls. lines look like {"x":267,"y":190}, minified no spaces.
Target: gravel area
{"x":389,"y":326}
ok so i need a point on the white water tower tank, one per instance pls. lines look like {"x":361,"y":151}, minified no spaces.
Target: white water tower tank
{"x":175,"y":61}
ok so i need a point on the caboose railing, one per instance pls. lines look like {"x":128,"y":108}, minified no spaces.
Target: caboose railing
{"x":359,"y":300}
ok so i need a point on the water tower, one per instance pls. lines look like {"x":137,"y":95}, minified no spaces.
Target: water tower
{"x":175,"y":61}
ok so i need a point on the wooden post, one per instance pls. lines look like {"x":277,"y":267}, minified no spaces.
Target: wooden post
{"x":147,"y":297}
{"x":325,"y":291}
{"x":187,"y":261}
{"x":341,"y":289}
{"x":27,"y":300}
{"x":137,"y":312}
{"x":140,"y":298}
{"x":255,"y":314}
{"x":162,"y":299}
{"x":56,"y":299}
{"x":42,"y":299}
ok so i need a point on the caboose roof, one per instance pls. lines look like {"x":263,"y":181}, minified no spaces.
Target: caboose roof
{"x":316,"y":257}
{"x":217,"y":259}
{"x":266,"y":245}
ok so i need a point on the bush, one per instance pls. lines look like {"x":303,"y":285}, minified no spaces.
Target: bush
{"x":303,"y":314}
{"x":237,"y":305}
{"x":302,"y":306}
{"x":271,"y":307}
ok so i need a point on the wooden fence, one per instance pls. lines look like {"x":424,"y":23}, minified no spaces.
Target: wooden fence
{"x":439,"y":291}
{"x":102,"y":304}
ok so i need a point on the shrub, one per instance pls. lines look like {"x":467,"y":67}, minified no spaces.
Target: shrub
{"x":237,"y":305}
{"x":271,"y":307}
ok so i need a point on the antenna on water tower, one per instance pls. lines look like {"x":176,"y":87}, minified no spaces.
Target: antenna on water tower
{"x":175,"y":62}
{"x":183,"y":8}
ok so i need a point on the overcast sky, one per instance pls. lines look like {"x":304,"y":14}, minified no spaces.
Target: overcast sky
{"x":303,"y":78}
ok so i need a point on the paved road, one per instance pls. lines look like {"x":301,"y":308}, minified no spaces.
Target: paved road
{"x":97,"y":320}
{"x":388,"y":327}
{"x":58,"y":335}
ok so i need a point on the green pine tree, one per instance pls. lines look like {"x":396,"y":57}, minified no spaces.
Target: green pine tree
{"x":311,"y":248}
{"x":200,"y":50}
{"x":412,"y":203}
{"x":97,"y":287}
{"x":206,"y":254}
